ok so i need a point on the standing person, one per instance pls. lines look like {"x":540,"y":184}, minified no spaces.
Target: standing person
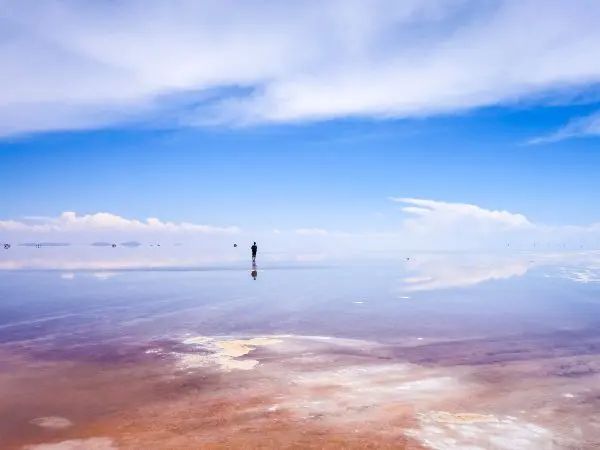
{"x":254,"y":249}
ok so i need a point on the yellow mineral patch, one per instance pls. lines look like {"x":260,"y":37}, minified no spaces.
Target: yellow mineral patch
{"x":446,"y":417}
{"x":241,"y":347}
{"x":226,"y":351}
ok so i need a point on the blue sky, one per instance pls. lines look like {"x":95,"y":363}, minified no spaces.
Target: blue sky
{"x":305,"y":124}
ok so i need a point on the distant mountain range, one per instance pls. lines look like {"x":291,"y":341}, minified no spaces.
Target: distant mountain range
{"x":131,"y":244}
{"x":45,"y":244}
{"x":124,"y":244}
{"x":67,"y":244}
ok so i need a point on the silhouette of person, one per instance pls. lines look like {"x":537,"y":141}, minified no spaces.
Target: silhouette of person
{"x":254,"y":249}
{"x":254,"y":272}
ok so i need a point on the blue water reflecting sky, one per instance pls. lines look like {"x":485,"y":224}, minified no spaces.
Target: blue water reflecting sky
{"x":60,"y":296}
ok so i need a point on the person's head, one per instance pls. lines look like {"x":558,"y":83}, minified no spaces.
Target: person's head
{"x":255,"y":243}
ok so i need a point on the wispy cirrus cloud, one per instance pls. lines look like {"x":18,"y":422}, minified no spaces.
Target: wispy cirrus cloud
{"x":81,"y":65}
{"x":579,"y":127}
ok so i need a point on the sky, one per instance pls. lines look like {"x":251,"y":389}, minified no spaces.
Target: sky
{"x":330,"y":125}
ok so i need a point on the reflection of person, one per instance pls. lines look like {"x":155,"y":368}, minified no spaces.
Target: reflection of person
{"x":254,"y":272}
{"x":254,"y":249}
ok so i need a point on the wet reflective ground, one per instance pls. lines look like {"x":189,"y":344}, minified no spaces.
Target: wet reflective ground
{"x":131,"y":348}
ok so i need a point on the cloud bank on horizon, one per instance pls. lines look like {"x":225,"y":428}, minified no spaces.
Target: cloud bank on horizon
{"x":70,"y":222}
{"x":179,"y":63}
{"x":426,"y":225}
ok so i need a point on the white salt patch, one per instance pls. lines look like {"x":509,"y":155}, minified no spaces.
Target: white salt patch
{"x":104,"y":275}
{"x":474,"y":431}
{"x":77,"y":444}
{"x":233,"y":364}
{"x":154,"y":351}
{"x":427,"y":384}
{"x":195,"y":361}
{"x":359,"y":303}
{"x":405,"y":297}
{"x":568,"y":395}
{"x":584,"y":275}
{"x":359,"y":393}
{"x":67,"y":276}
{"x":52,"y":422}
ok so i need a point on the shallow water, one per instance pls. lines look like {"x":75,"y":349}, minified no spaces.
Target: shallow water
{"x":153,"y":348}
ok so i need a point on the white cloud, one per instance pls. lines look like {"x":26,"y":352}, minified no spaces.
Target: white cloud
{"x":579,"y":127}
{"x":323,"y":233}
{"x":424,"y":225}
{"x":312,"y":232}
{"x":71,"y":222}
{"x":439,"y":225}
{"x":76,"y":65}
{"x":444,"y":213}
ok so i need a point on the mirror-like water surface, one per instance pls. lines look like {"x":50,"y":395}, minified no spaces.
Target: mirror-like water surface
{"x":131,"y":348}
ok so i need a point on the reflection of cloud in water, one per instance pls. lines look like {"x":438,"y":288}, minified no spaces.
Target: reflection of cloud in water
{"x":450,"y":271}
{"x":96,"y":259}
{"x":104,"y":275}
{"x":311,"y":256}
{"x":444,"y":271}
{"x":297,"y":256}
{"x":97,"y":275}
{"x":118,"y":259}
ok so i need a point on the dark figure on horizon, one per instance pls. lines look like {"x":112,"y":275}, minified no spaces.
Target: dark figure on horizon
{"x":254,"y":249}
